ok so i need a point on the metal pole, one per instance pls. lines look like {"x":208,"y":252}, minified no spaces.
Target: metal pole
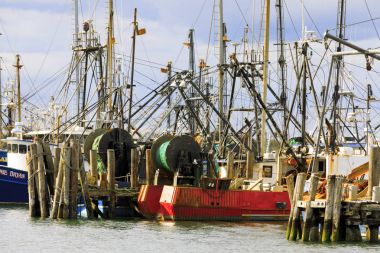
{"x":18,"y":67}
{"x":220,"y":70}
{"x":132,"y":69}
{"x":76,"y":43}
{"x":169,"y":66}
{"x":109,"y":60}
{"x":265,"y":77}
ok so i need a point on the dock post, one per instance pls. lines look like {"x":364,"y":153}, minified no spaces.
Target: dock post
{"x":42,"y":182}
{"x":309,"y":211}
{"x":352,"y":192}
{"x":57,"y":156}
{"x":31,"y":186}
{"x":290,"y":186}
{"x":75,"y":149}
{"x":230,"y":164}
{"x":373,"y":169}
{"x":134,"y":167}
{"x":66,"y":183}
{"x":94,"y":167}
{"x":34,"y":157}
{"x":58,"y":183}
{"x":175,"y":178}
{"x":296,"y":220}
{"x":111,"y":182}
{"x":353,"y":233}
{"x":337,"y":209}
{"x":327,"y":224}
{"x":49,"y":167}
{"x":249,"y":165}
{"x":155,"y":182}
{"x":372,"y":233}
{"x":149,"y":175}
{"x":85,"y":192}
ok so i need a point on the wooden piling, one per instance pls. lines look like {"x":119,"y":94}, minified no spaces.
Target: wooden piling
{"x":94,"y":167}
{"x":296,"y":220}
{"x":34,"y":157}
{"x":290,"y":186}
{"x":327,"y":224}
{"x":374,"y":169}
{"x":111,"y":182}
{"x":230,"y":164}
{"x":31,"y":186}
{"x":335,"y":236}
{"x":58,"y":182}
{"x":149,"y":170}
{"x":49,"y":167}
{"x":309,"y":211}
{"x":42,"y":183}
{"x":57,"y":156}
{"x":85,"y":192}
{"x":134,"y":167}
{"x":75,"y":154}
{"x":292,"y":197}
{"x":372,"y":233}
{"x":352,"y":192}
{"x":353,"y":233}
{"x":66,"y":184}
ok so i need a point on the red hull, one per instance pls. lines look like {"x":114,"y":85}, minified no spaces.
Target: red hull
{"x":192,"y":203}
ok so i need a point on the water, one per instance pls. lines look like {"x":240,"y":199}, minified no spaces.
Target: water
{"x":19,"y":233}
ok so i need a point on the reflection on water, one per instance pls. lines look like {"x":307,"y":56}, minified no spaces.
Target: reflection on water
{"x":19,"y":233}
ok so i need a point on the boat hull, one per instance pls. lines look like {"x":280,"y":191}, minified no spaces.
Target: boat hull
{"x":13,"y":185}
{"x":193,"y":203}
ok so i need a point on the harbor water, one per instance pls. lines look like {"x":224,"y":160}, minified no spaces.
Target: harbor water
{"x":19,"y":233}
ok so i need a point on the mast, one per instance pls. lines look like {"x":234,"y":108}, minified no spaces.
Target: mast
{"x":281,"y":61}
{"x":340,"y":33}
{"x":265,"y":76}
{"x":169,"y":103}
{"x":18,"y":67}
{"x":220,"y":70}
{"x":193,"y":123}
{"x":132,"y":68}
{"x":76,"y":44}
{"x":110,"y":43}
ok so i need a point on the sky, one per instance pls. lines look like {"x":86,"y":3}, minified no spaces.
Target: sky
{"x":41,"y":32}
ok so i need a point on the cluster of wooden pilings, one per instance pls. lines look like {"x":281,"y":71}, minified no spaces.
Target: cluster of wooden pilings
{"x":56,"y":182}
{"x":338,"y":217}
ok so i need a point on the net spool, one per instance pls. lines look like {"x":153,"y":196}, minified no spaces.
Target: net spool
{"x":119,"y":140}
{"x":89,"y":141}
{"x":167,"y":150}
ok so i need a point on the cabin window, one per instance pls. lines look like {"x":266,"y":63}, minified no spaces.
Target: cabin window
{"x":22,"y":149}
{"x":267,"y":171}
{"x":9,"y":148}
{"x":14,"y":148}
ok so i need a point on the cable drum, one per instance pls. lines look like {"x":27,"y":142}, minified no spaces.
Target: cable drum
{"x":175,"y":153}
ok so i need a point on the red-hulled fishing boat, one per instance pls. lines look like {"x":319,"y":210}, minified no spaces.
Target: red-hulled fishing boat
{"x":207,"y":198}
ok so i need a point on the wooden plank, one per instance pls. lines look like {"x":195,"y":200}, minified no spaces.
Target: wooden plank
{"x":327,"y":223}
{"x":230,"y":165}
{"x":374,"y":169}
{"x":134,"y":167}
{"x":43,"y":196}
{"x":66,"y":183}
{"x":75,"y":154}
{"x":111,"y":182}
{"x":149,"y":170}
{"x":85,"y":191}
{"x":335,"y":237}
{"x":57,"y":156}
{"x":31,"y":186}
{"x":94,"y":167}
{"x":58,"y":184}
{"x":49,"y":167}
{"x":309,"y":211}
{"x":296,"y":220}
